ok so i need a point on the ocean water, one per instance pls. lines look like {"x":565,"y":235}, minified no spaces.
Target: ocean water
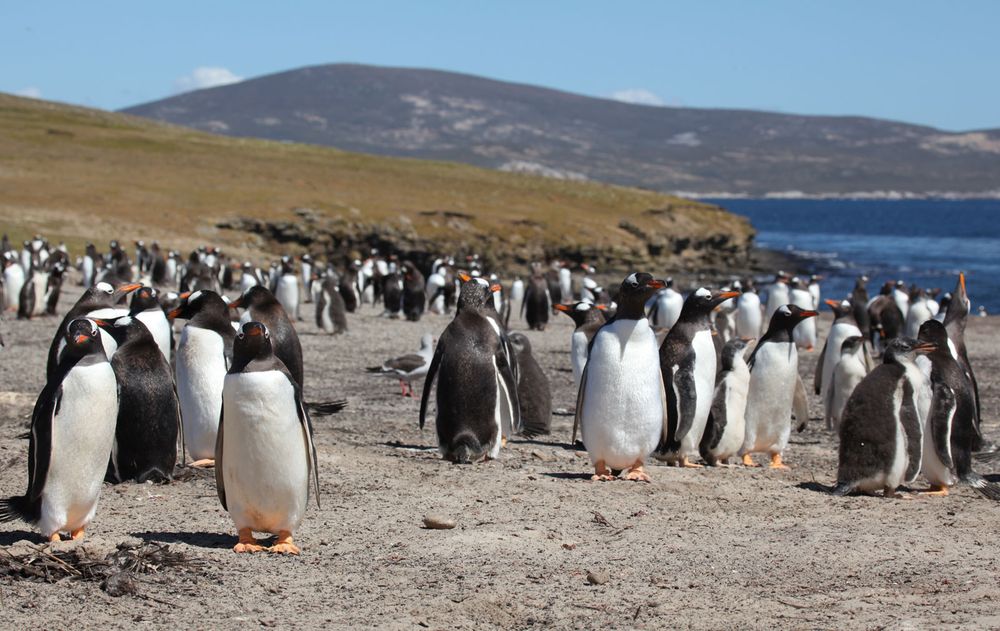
{"x":927,"y":242}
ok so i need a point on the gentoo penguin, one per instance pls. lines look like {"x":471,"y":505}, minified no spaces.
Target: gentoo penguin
{"x":553,"y":281}
{"x":265,"y":456}
{"x":435,"y":291}
{"x":149,"y":415}
{"x":250,"y":277}
{"x":859,"y":305}
{"x":843,"y":327}
{"x":98,"y":301}
{"x":805,"y":333}
{"x":26,"y":297}
{"x":203,"y":356}
{"x":89,"y":265}
{"x":54,"y":287}
{"x":667,"y":306}
{"x":516,"y":299}
{"x":537,"y":301}
{"x":954,"y":323}
{"x":565,"y":282}
{"x":847,"y":374}
{"x":477,"y":405}
{"x":331,"y":314}
{"x":814,"y":290}
{"x":620,"y":406}
{"x":726,"y":425}
{"x":920,"y":312}
{"x":901,"y":297}
{"x":886,"y":319}
{"x":72,"y":431}
{"x":414,"y":296}
{"x":13,"y":280}
{"x":306,"y":269}
{"x":880,"y":434}
{"x":260,"y":305}
{"x":287,"y":292}
{"x":749,"y":318}
{"x":589,"y":289}
{"x":408,"y":367}
{"x":588,"y":319}
{"x":688,"y":366}
{"x":533,"y":391}
{"x":774,"y":375}
{"x":778,"y":294}
{"x":349,"y":287}
{"x":146,"y":308}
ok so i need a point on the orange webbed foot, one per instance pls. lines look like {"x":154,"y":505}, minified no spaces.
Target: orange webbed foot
{"x":247,"y":542}
{"x":637,"y":474}
{"x":776,"y":462}
{"x":204,"y":463}
{"x":284,"y":544}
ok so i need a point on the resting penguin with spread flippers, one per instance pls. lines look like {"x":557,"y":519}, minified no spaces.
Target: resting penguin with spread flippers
{"x":620,"y":407}
{"x":688,"y":367}
{"x":265,"y":455}
{"x":72,"y":432}
{"x":881,"y":440}
{"x":726,"y":425}
{"x":954,"y":322}
{"x":774,"y":379}
{"x":204,"y":353}
{"x":588,"y":319}
{"x":533,"y":391}
{"x":950,"y":427}
{"x":847,"y":374}
{"x":99,"y":301}
{"x":477,"y":404}
{"x":149,"y":416}
{"x":260,"y":305}
{"x":146,"y":308}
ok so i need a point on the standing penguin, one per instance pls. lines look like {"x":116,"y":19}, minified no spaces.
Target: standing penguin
{"x":880,"y":434}
{"x":13,"y":280}
{"x":688,"y":365}
{"x":414,"y":295}
{"x":265,"y":456}
{"x":667,"y":306}
{"x":477,"y":404}
{"x":287,"y":289}
{"x":844,"y":326}
{"x":533,"y":391}
{"x":349,"y":287}
{"x":537,"y":301}
{"x":726,"y":425}
{"x":749,"y":318}
{"x":805,"y":333}
{"x":778,"y":294}
{"x":331,"y":314}
{"x":203,"y":356}
{"x":847,"y":374}
{"x":98,"y":301}
{"x":920,"y":311}
{"x":814,"y":290}
{"x":774,"y":376}
{"x":950,"y":430}
{"x":620,"y":405}
{"x":72,"y":432}
{"x":588,"y":319}
{"x":260,"y":305}
{"x":306,"y":269}
{"x":149,"y":416}
{"x":146,"y":308}
{"x":954,"y":322}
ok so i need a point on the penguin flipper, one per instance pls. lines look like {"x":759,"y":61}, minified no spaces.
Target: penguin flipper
{"x":910,"y":419}
{"x":941,"y":415}
{"x":818,"y":377}
{"x":507,"y":372}
{"x":580,"y":397}
{"x":800,"y":404}
{"x":220,"y":482}
{"x":429,"y":381}
{"x":986,"y":488}
{"x":686,"y":402}
{"x":310,"y":445}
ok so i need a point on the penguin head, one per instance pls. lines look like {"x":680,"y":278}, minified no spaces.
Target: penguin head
{"x":580,"y":312}
{"x":144,"y":298}
{"x":702,"y":301}
{"x":123,"y":328}
{"x":520,"y":343}
{"x":83,"y":337}
{"x":476,"y":293}
{"x":253,"y":341}
{"x":199,"y":302}
{"x":256,"y":297}
{"x":959,"y":304}
{"x":933,"y":332}
{"x":840,"y":308}
{"x":787,"y":317}
{"x":106,"y":294}
{"x":734,"y":351}
{"x":902,"y":350}
{"x":851,"y":345}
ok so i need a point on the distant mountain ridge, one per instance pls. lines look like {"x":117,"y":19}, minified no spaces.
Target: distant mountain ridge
{"x":448,"y":116}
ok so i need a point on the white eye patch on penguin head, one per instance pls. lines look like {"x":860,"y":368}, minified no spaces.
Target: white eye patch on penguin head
{"x":702,"y":292}
{"x":105,"y":287}
{"x":194,"y":296}
{"x":583,"y":306}
{"x":784,"y":310}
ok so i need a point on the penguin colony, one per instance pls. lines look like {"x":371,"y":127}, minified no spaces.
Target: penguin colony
{"x":710,"y":375}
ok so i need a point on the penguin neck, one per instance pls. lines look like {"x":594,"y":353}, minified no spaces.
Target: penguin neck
{"x":631,"y":308}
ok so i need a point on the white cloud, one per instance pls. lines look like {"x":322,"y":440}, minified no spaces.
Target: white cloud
{"x":31,"y":92}
{"x":637,"y":96}
{"x":205,"y":77}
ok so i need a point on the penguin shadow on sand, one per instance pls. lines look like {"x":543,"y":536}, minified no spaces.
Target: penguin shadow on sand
{"x":11,"y":537}
{"x":210,"y":540}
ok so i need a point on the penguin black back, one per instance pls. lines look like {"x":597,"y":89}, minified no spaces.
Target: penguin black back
{"x":533,"y":391}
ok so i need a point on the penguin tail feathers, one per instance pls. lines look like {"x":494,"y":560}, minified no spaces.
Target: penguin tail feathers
{"x":326,"y":408}
{"x":987,"y":456}
{"x":842,"y":488}
{"x":984,"y":487}
{"x":18,"y":507}
{"x":465,"y":449}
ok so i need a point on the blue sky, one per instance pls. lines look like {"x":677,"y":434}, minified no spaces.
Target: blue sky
{"x":934,"y":63}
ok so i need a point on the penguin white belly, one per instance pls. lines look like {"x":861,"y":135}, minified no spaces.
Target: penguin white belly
{"x":288,"y":295}
{"x":622,"y":415}
{"x":704,"y":387}
{"x":517,"y":291}
{"x":931,"y":466}
{"x":736,"y":405}
{"x":41,"y":280}
{"x":777,"y":296}
{"x":265,"y":453}
{"x":918,"y":314}
{"x":246,"y":282}
{"x":156,"y":321}
{"x":87,"y":269}
{"x":831,"y":356}
{"x":201,"y":372}
{"x":13,"y":278}
{"x":769,"y":398}
{"x":324,"y":316}
{"x":83,"y":432}
{"x":748,"y":317}
{"x":848,"y":374}
{"x":566,"y":284}
{"x":578,"y":348}
{"x":804,"y":332}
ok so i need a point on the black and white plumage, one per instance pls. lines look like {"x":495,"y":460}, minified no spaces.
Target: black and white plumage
{"x":260,"y":305}
{"x":331,"y":314}
{"x":477,"y":404}
{"x":589,"y":318}
{"x":408,"y":367}
{"x":955,"y":319}
{"x":72,"y":432}
{"x":265,"y":455}
{"x":533,"y":391}
{"x":537,"y":302}
{"x":146,"y":308}
{"x":726,"y":425}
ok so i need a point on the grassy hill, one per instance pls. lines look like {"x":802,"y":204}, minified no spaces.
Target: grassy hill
{"x":77,"y":174}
